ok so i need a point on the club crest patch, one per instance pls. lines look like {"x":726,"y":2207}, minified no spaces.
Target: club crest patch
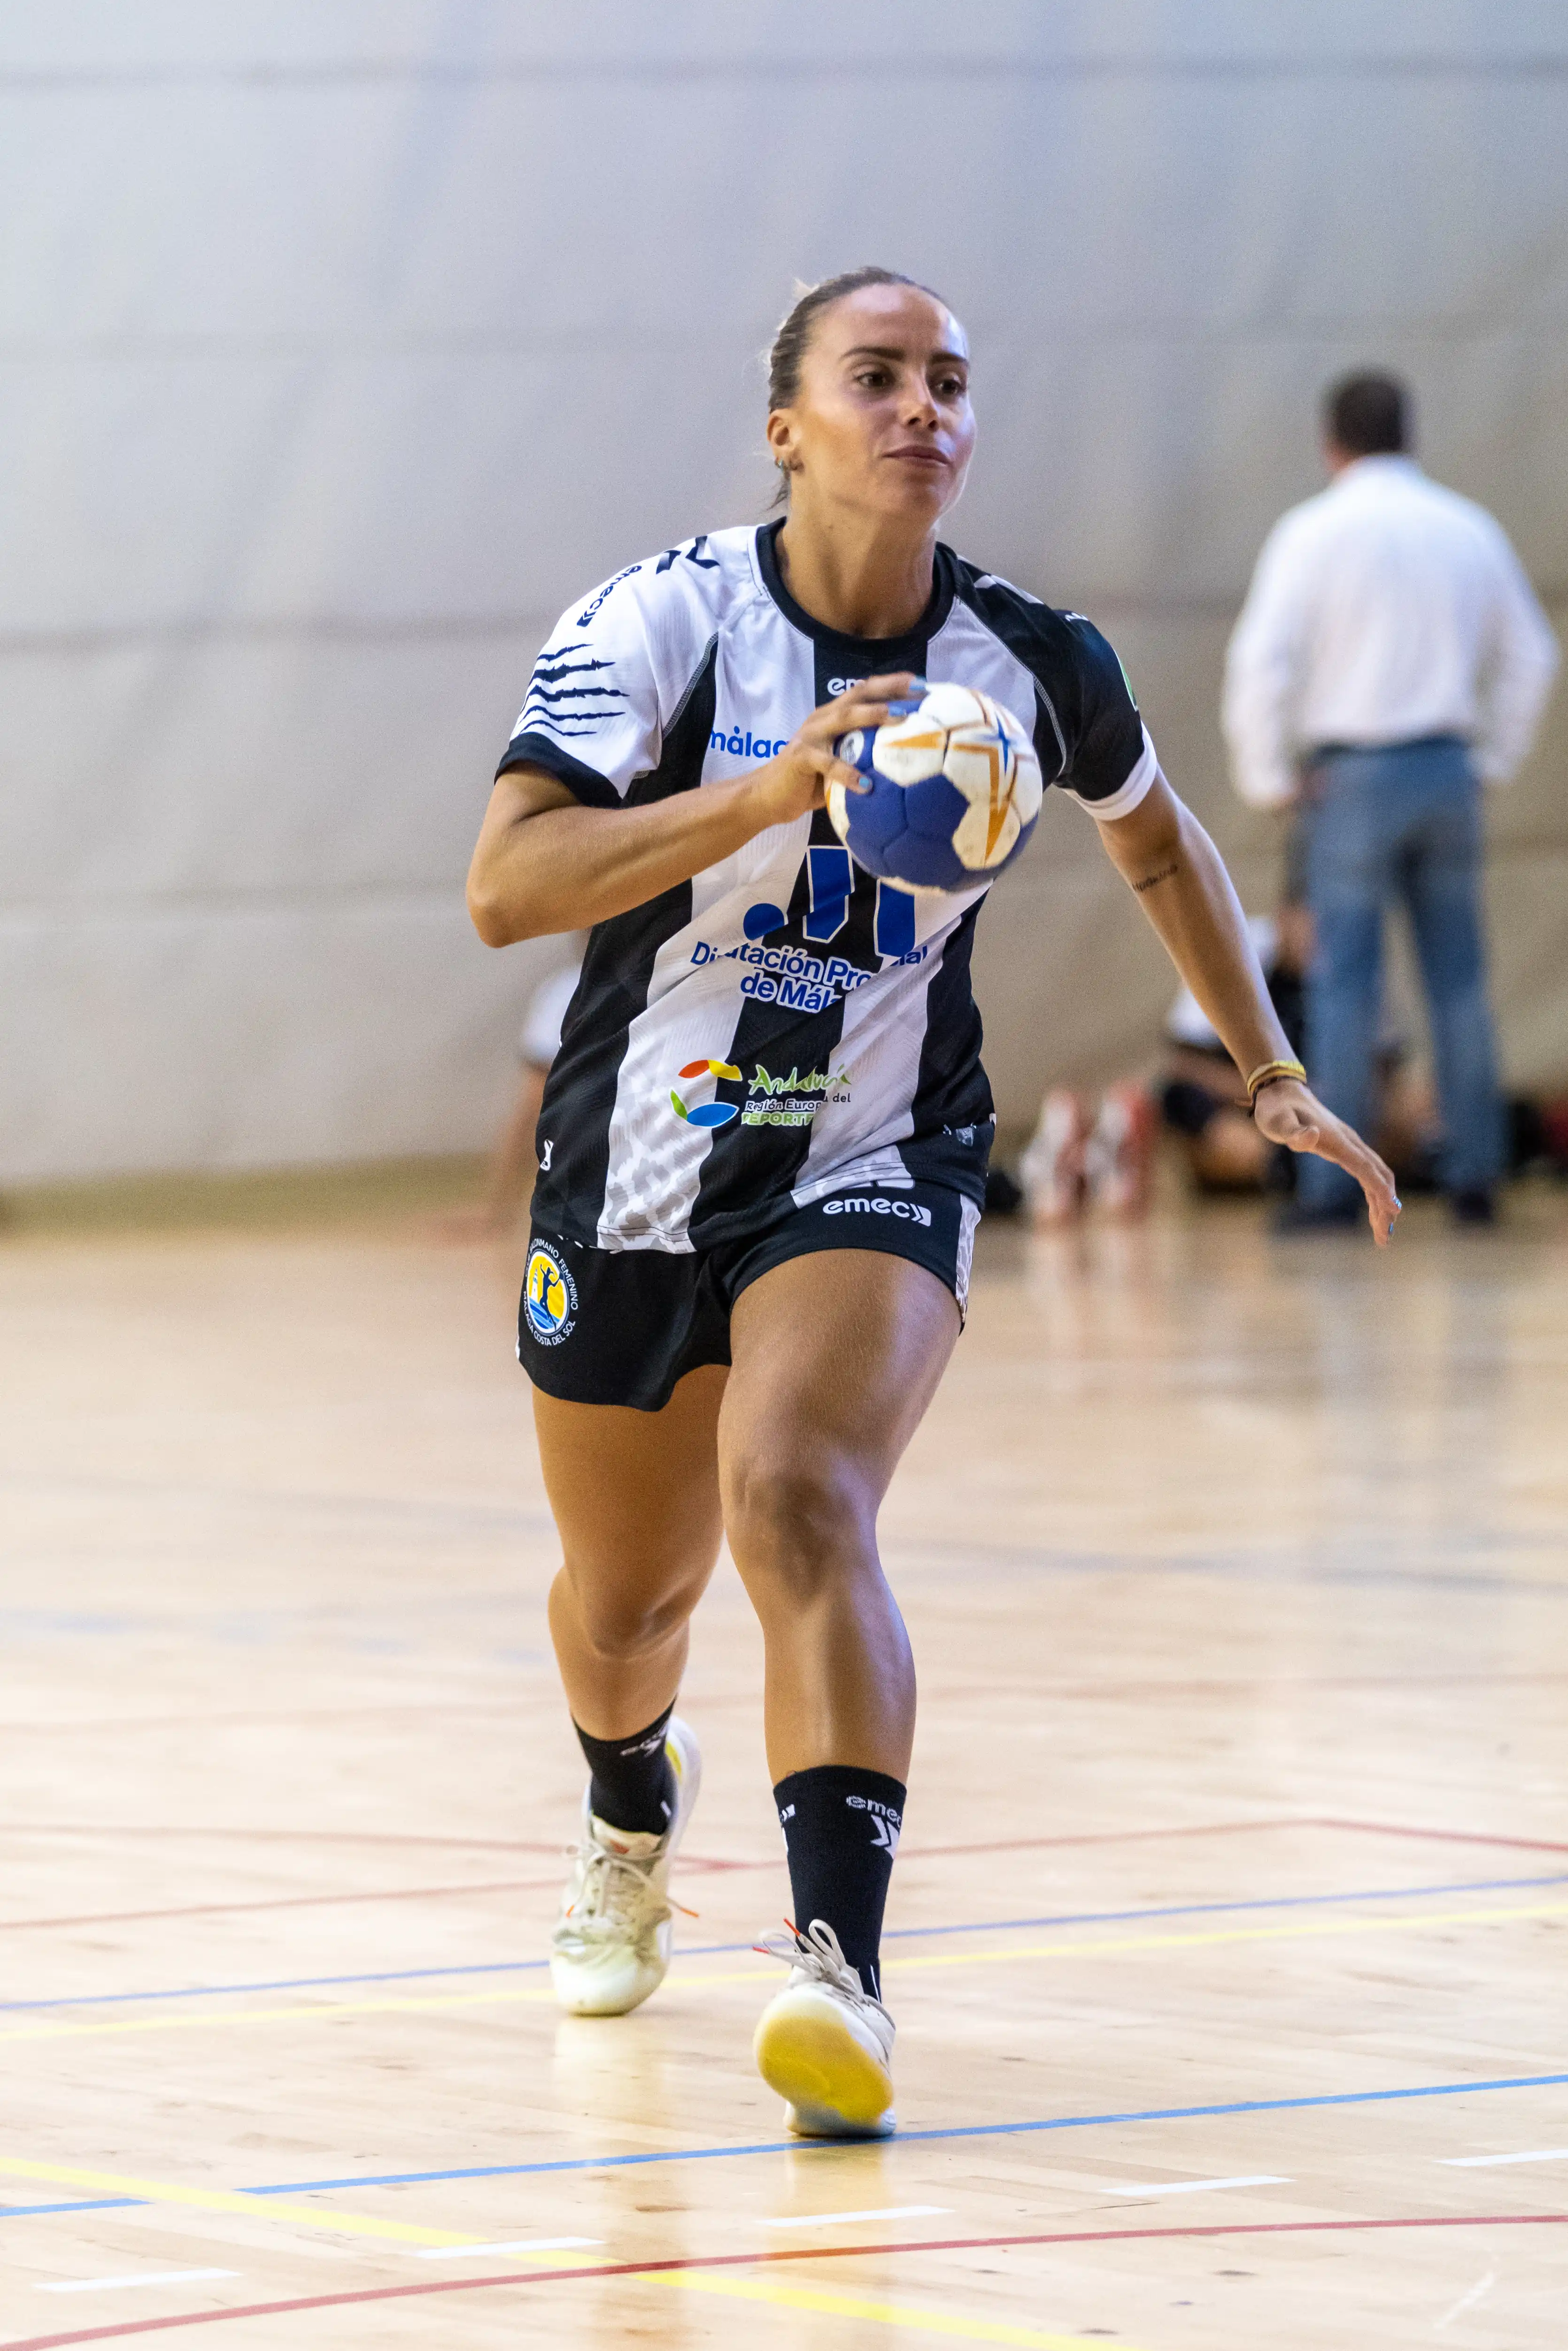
{"x":549,"y":1296}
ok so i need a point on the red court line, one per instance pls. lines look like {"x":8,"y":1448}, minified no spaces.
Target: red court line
{"x":771,"y":2259}
{"x":283,"y":1902}
{"x":714,"y":1864}
{"x":463,"y":1707}
{"x":273,"y":1836}
{"x":908,"y":1852}
{"x":688,"y":1862}
{"x":1106,"y":1836}
{"x":1440,"y":1836}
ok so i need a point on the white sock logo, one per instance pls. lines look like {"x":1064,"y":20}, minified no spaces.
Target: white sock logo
{"x":885,"y":1834}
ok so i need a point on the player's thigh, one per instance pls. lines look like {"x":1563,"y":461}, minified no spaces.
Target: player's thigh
{"x":834,"y":1358}
{"x":635,"y":1494}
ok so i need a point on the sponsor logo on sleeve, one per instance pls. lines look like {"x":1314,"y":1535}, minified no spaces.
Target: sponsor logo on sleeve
{"x":609,"y":589}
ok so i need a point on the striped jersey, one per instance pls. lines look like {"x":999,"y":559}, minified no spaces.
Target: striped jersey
{"x":782,"y":1026}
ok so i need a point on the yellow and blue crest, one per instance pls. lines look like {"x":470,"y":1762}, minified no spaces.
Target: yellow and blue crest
{"x":550,"y":1295}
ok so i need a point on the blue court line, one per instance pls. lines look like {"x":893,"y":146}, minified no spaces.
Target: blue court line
{"x":906,"y":2138}
{"x":825,"y":2146}
{"x":95,"y":2204}
{"x":308,"y":1983}
{"x":893,"y":1935}
{"x":1203,"y":1909}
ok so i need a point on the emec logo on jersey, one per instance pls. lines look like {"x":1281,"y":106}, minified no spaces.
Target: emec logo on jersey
{"x":550,"y":1295}
{"x":705,"y":1113}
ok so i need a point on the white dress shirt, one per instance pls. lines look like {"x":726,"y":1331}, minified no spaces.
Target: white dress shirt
{"x":1385,"y":609}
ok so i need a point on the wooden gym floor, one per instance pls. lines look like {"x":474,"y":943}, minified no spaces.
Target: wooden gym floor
{"x":1229,"y":1936}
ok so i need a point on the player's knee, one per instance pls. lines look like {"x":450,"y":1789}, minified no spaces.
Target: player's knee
{"x":621,"y":1621}
{"x":794,"y":1523}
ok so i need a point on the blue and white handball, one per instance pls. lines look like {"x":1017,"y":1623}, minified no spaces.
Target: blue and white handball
{"x":954,"y":791}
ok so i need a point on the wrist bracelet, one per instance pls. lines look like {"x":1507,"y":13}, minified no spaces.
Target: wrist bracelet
{"x":1266,"y":1073}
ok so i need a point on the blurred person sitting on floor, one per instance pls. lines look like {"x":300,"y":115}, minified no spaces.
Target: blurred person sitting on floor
{"x":1202,"y":1097}
{"x":1391,"y":658}
{"x":1102,"y":1156}
{"x":1104,"y":1160}
{"x":1204,"y":1103}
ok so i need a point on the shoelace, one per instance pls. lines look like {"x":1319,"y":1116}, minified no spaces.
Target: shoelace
{"x":819,"y":1954}
{"x":616,"y":1897}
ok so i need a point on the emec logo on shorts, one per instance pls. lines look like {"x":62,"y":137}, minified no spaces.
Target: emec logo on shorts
{"x":550,"y":1295}
{"x":708,"y":1113}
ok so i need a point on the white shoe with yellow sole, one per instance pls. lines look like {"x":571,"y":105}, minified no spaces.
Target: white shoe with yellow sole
{"x":824,"y":2043}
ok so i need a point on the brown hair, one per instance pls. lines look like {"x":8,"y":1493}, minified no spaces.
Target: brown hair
{"x":794,"y":336}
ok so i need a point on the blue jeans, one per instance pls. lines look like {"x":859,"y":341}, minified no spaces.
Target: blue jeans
{"x":1401,"y":823}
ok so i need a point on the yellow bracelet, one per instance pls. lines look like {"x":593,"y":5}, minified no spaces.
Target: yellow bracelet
{"x":1267,"y":1071}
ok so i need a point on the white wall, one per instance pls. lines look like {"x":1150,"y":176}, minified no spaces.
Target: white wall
{"x":340,"y":344}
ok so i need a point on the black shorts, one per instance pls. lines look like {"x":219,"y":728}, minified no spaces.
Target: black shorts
{"x":602,"y":1326}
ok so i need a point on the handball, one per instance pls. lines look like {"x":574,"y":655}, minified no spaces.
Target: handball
{"x":954,"y":791}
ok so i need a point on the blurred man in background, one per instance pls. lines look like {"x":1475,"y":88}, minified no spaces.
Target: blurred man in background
{"x":1390,"y":658}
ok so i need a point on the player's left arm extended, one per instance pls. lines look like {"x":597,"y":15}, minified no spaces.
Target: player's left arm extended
{"x":1164,"y":854}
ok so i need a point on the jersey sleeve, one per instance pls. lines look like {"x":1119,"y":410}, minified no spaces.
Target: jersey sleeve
{"x":591,"y":714}
{"x":1111,"y":762}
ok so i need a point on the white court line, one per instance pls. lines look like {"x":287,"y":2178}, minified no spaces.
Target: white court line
{"x":1477,"y":2292}
{"x":831,"y":2220}
{"x":141,"y":2277}
{"x":1196,"y":2187}
{"x":1484,"y":2162}
{"x":511,"y":2245}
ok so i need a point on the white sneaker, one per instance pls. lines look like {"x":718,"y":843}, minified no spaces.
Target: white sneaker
{"x":613,"y":1940}
{"x":824,"y":2044}
{"x":1118,"y":1158}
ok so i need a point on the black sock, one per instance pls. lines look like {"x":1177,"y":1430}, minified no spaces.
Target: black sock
{"x":631,"y":1785}
{"x":841,"y":1832}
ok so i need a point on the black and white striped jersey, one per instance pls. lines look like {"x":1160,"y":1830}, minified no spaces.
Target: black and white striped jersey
{"x":782,"y":1026}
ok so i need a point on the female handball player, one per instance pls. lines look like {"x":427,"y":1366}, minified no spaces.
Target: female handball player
{"x":763,"y":1142}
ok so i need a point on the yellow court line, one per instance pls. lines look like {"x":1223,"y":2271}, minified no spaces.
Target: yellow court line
{"x":364,"y":2224}
{"x":1414,"y":1921}
{"x":1214,"y":1939}
{"x":254,"y":2207}
{"x":887,"y":2314}
{"x":407,"y":2232}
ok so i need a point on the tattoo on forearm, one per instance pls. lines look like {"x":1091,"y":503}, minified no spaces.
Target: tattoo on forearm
{"x":1148,"y":882}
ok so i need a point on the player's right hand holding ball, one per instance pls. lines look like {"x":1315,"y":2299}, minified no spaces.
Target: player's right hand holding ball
{"x":797,"y":780}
